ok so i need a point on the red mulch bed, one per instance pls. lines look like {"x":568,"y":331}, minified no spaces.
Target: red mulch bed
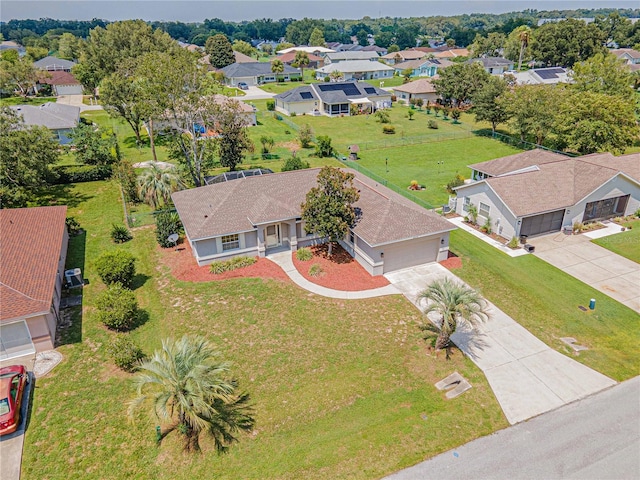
{"x":452,"y":262}
{"x":184,"y":267}
{"x":340,"y":271}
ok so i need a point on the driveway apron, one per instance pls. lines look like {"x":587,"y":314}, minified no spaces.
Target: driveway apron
{"x":527,"y":376}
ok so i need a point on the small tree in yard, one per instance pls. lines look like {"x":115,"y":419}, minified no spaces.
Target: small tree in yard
{"x":167,"y":223}
{"x":383,"y":116}
{"x":267,"y":143}
{"x":305,"y":135}
{"x":328,"y":210}
{"x":92,"y":146}
{"x":294,"y":163}
{"x":116,"y":266}
{"x":453,"y":301}
{"x":117,"y":308}
{"x":410,"y":114}
{"x":323,"y":146}
{"x":125,"y":352}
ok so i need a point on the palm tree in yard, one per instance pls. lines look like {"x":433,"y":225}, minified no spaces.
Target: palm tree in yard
{"x":156,"y":184}
{"x":524,"y":36}
{"x":452,"y":301}
{"x":277,"y":66}
{"x":185,"y":383}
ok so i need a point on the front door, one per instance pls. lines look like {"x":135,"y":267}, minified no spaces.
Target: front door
{"x":272,"y":235}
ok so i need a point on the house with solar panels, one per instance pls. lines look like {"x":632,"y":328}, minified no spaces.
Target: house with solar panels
{"x":357,"y":70}
{"x":332,"y":99}
{"x":547,"y":76}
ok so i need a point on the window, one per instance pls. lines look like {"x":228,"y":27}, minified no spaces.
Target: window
{"x":352,"y":239}
{"x":230,"y":242}
{"x":465,"y":204}
{"x":483,"y":210}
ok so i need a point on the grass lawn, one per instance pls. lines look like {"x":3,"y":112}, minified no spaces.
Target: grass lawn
{"x":342,"y":389}
{"x":545,"y":300}
{"x":8,"y":101}
{"x":389,"y":82}
{"x":626,"y":243}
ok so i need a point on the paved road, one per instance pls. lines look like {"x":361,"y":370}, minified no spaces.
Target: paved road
{"x":595,"y":438}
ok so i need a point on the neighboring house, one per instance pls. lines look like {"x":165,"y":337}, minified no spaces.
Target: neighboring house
{"x":62,"y":83}
{"x":344,"y":47}
{"x":422,"y":88}
{"x":256,"y":73}
{"x":320,"y":51}
{"x":538,"y":192}
{"x":403,"y":56}
{"x":239,"y":58}
{"x":54,"y":64}
{"x":191,"y":47}
{"x":332,"y":99}
{"x":630,"y":57}
{"x":452,"y":53}
{"x":59,"y":118}
{"x":375,"y":48}
{"x":538,"y":76}
{"x":261,"y":214}
{"x":357,"y":70}
{"x":34,"y":249}
{"x":493,"y":65}
{"x":422,"y":67}
{"x":350,"y":56}
{"x":11,"y":45}
{"x":314,"y":60}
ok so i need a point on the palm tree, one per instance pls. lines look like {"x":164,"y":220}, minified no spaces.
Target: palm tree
{"x":301,"y":61}
{"x":277,"y":67}
{"x":336,"y":76}
{"x":156,"y":184}
{"x":524,"y":35}
{"x":184,"y":382}
{"x":453,"y":301}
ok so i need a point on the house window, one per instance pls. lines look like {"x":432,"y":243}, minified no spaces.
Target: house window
{"x":465,"y":204}
{"x":230,"y":242}
{"x":483,"y":210}
{"x":352,"y":239}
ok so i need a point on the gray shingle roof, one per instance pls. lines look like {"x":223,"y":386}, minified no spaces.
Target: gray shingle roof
{"x":336,"y":96}
{"x":53,"y":63}
{"x":240,"y":205}
{"x":518,"y":161}
{"x":253,"y":69}
{"x":491,"y":61}
{"x":295,"y":95}
{"x":355,"y":66}
{"x":54,"y":116}
{"x":349,"y":56}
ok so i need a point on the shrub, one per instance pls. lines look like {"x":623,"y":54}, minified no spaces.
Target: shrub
{"x":578,"y":227}
{"x":455,"y":114}
{"x":513,"y":243}
{"x":125,"y":175}
{"x":304,"y":254}
{"x":456,"y":182}
{"x":486,"y":228}
{"x":231,"y":264}
{"x":120,"y":233}
{"x":116,"y":266}
{"x":73,"y":227}
{"x":117,"y":308}
{"x":305,"y":135}
{"x":414,"y":185}
{"x":271,"y":105}
{"x":294,"y":163}
{"x":63,"y":174}
{"x":433,"y":124}
{"x":315,"y":270}
{"x":126,"y":353}
{"x":327,"y":79}
{"x":410,"y":114}
{"x":388,"y":129}
{"x":323,"y":146}
{"x":294,"y":114}
{"x":166,"y":224}
{"x":382,"y":116}
{"x":419,"y":102}
{"x":637,"y":213}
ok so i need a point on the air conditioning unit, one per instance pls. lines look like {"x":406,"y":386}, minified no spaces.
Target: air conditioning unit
{"x":73,"y":278}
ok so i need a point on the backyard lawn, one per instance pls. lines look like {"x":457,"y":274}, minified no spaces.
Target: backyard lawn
{"x":626,"y":243}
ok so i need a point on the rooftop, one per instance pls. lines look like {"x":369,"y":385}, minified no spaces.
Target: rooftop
{"x":54,"y":116}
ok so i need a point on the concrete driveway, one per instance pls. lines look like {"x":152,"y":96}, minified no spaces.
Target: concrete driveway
{"x":255,"y":93}
{"x":11,"y":445}
{"x":592,"y":264}
{"x":527,"y":377}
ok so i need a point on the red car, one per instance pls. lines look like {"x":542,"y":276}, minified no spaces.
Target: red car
{"x":13,"y":380}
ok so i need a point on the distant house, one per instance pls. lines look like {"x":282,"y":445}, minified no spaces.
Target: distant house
{"x":493,"y":65}
{"x":11,"y":45}
{"x":629,"y":56}
{"x":350,"y":56}
{"x":62,"y":83}
{"x":332,"y":99}
{"x":403,"y":56}
{"x":320,"y":51}
{"x":538,"y":76}
{"x":357,"y":69}
{"x":314,"y":60}
{"x":34,"y":250}
{"x":422,"y":88}
{"x":374,"y":48}
{"x":54,"y":64}
{"x":257,"y":73}
{"x":59,"y":118}
{"x":345,"y":47}
{"x":239,"y":58}
{"x":452,"y":53}
{"x":422,"y":67}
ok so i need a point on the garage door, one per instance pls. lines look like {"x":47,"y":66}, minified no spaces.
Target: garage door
{"x":69,"y":89}
{"x":539,"y":224}
{"x":410,"y":253}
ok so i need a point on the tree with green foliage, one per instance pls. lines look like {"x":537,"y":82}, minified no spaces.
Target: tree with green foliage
{"x":316,"y":39}
{"x":156,"y":184}
{"x":299,"y":31}
{"x":116,"y":266}
{"x":323,"y":146}
{"x":490,"y":46}
{"x":93,"y":146}
{"x":301,"y":61}
{"x":406,"y":74}
{"x":452,"y":301}
{"x":267,"y":143}
{"x":459,"y":83}
{"x":566,"y":42}
{"x":277,"y":66}
{"x":305,"y":135}
{"x":328,"y":209}
{"x":19,"y":75}
{"x":244,"y":47}
{"x":220,"y":51}
{"x":36,"y":53}
{"x":233,"y":142}
{"x":294,"y":163}
{"x":363,"y":38}
{"x":69,"y":46}
{"x":486,"y":105}
{"x":604,"y":73}
{"x":117,"y":308}
{"x":125,"y":175}
{"x":384,"y":39}
{"x":185,"y":384}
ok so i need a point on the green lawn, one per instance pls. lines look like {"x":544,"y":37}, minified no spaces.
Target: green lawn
{"x":8,"y":101}
{"x":626,"y":243}
{"x":545,"y":300}
{"x":341,"y":389}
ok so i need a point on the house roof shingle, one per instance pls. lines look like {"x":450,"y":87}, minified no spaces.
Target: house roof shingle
{"x":253,"y":69}
{"x":53,"y":63}
{"x":350,"y":56}
{"x":489,"y":62}
{"x":515,"y":162}
{"x":355,"y":66}
{"x":30,"y":247}
{"x":405,"y":55}
{"x":60,"y":78}
{"x":422,"y":85}
{"x":414,"y":64}
{"x":240,"y":205}
{"x":629,"y":51}
{"x":335,"y":95}
{"x":291,"y":56}
{"x":54,"y":116}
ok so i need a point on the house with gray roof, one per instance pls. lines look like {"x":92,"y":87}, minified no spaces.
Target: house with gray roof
{"x":59,"y":118}
{"x":537,"y":192}
{"x":257,"y":215}
{"x":546,"y":76}
{"x":337,"y":57}
{"x":332,"y":99}
{"x":422,"y":67}
{"x":257,"y":73}
{"x":493,"y":65}
{"x":54,"y":64}
{"x":357,"y":70}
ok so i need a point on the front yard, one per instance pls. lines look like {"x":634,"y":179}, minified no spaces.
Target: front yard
{"x":626,"y":243}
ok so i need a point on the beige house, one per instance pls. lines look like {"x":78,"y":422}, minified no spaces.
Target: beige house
{"x":34,"y":249}
{"x":422,"y":88}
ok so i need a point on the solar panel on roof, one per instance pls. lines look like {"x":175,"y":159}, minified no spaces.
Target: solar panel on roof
{"x":369,"y":89}
{"x":546,"y":74}
{"x":348,"y":89}
{"x":306,"y":95}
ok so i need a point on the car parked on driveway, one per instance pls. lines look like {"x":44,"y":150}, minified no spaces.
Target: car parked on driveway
{"x":13,"y":380}
{"x":243,"y":86}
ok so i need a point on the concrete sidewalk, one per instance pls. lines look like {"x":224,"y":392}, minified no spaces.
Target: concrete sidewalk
{"x":527,"y":377}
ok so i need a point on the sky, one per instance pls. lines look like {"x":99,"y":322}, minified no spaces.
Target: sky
{"x":238,"y":10}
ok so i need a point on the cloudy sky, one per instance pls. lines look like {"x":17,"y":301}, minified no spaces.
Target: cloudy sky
{"x":198,"y":10}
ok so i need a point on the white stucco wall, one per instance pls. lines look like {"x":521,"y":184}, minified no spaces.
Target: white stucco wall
{"x":503,"y":222}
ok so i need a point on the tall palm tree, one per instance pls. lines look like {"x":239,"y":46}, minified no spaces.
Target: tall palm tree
{"x":524,"y":36}
{"x":301,"y":61}
{"x":156,"y":184}
{"x":453,"y":301}
{"x":184,"y":382}
{"x":277,"y":67}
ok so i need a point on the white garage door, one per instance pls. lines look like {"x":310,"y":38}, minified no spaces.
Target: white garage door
{"x":409,"y":253}
{"x":69,"y":89}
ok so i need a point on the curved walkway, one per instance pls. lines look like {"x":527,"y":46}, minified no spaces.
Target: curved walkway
{"x":283,"y":259}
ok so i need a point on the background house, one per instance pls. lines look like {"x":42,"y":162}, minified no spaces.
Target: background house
{"x":314,"y":60}
{"x":256,"y":215}
{"x":548,"y":76}
{"x":493,"y":65}
{"x":336,"y":57}
{"x":629,"y":56}
{"x":422,"y":88}
{"x":54,"y":64}
{"x":423,"y":67}
{"x":357,"y":69}
{"x":256,"y":73}
{"x":59,"y":118}
{"x":34,"y":249}
{"x":403,"y":56}
{"x":62,"y":83}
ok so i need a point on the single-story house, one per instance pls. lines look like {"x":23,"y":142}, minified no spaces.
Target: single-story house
{"x":62,"y":83}
{"x":422,"y":67}
{"x":258,"y":215}
{"x":239,"y":58}
{"x":337,"y":57}
{"x":493,"y":65}
{"x":357,"y":69}
{"x":452,"y":53}
{"x":375,"y":48}
{"x":628,"y":55}
{"x":11,"y":45}
{"x":61,"y":119}
{"x":548,"y":76}
{"x":54,"y":64}
{"x":256,"y":73}
{"x":422,"y":88}
{"x":403,"y":56}
{"x":320,"y":51}
{"x":34,"y":250}
{"x":314,"y":60}
{"x":332,"y":99}
{"x":538,"y":192}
